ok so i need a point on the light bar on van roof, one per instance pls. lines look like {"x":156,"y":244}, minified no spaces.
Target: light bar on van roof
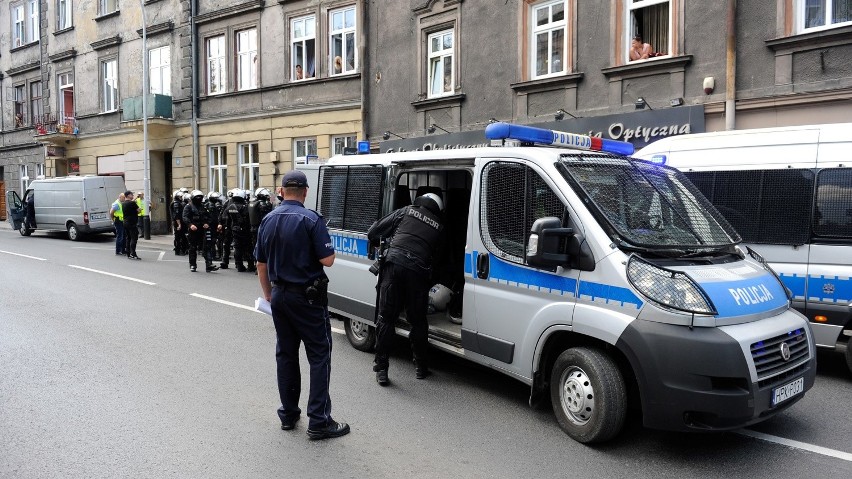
{"x":531,"y":134}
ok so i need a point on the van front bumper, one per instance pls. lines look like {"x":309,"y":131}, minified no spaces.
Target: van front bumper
{"x":702,"y":378}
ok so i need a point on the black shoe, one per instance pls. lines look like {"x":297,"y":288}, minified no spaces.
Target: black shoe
{"x":241,"y":269}
{"x":136,"y":257}
{"x":211,"y":268}
{"x":333,"y":429}
{"x":223,"y":266}
{"x":192,"y":269}
{"x":289,"y":424}
{"x":382,"y":377}
{"x":119,"y":254}
{"x":421,"y":372}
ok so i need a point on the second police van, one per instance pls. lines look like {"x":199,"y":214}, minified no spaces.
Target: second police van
{"x":600,"y":281}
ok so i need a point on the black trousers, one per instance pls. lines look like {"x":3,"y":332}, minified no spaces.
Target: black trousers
{"x":131,"y":237}
{"x":297,"y":321}
{"x":226,"y":239}
{"x":402,"y":288}
{"x":199,"y":241}
{"x":243,"y":253}
{"x":180,"y":239}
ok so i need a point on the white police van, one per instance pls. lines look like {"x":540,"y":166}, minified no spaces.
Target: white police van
{"x":598,"y":280}
{"x":788,"y":192}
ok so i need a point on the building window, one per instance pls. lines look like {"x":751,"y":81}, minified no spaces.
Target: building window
{"x":303,"y":47}
{"x":822,"y":14}
{"x":107,"y":6}
{"x":33,"y":23}
{"x":65,"y":86}
{"x":216,"y":73}
{"x":218,"y":160}
{"x":36,"y":107}
{"x":649,"y":26}
{"x":63,"y":14}
{"x":20,"y":106}
{"x":40,"y":171}
{"x":25,"y":178}
{"x":249,"y":167}
{"x":304,"y":150}
{"x":19,"y":36}
{"x":25,"y":23}
{"x":109,"y":84}
{"x":549,"y":39}
{"x":441,"y":72}
{"x":338,"y":143}
{"x":247,"y":60}
{"x":160,"y":71}
{"x":342,"y":41}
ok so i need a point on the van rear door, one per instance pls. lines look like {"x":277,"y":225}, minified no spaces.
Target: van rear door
{"x":97,"y":203}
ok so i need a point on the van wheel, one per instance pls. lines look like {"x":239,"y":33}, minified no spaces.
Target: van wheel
{"x":73,"y":232}
{"x":361,"y":335}
{"x":588,"y":395}
{"x":25,"y":231}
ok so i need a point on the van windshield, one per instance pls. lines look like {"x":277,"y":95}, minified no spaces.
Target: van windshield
{"x":647,"y":205}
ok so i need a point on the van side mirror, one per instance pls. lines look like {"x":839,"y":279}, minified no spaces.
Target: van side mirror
{"x":546,"y":243}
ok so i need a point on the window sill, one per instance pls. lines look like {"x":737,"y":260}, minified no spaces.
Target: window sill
{"x":108,"y":15}
{"x":449,"y":100}
{"x":64,"y":30}
{"x":23,"y":47}
{"x":550,"y":83}
{"x":70,"y":53}
{"x":648,"y":67}
{"x":811,"y":40}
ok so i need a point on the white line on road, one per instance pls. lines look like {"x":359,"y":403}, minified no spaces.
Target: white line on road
{"x":160,"y":257}
{"x":845,"y":456}
{"x":23,"y":255}
{"x":248,"y":308}
{"x":112,"y":274}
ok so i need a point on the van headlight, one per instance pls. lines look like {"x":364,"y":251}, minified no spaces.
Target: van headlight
{"x":669,"y":288}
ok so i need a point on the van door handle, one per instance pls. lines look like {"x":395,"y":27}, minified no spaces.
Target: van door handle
{"x":482,"y":266}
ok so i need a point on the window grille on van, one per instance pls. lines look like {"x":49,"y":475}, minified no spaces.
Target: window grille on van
{"x":350,"y":197}
{"x":513,"y":197}
{"x":646,"y":204}
{"x":768,"y":357}
{"x":764,"y":206}
{"x":833,"y":215}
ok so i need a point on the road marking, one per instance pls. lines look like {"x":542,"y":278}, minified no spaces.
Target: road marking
{"x":112,"y":274}
{"x":247,"y":308}
{"x":845,"y":456}
{"x":23,"y":255}
{"x":160,"y":257}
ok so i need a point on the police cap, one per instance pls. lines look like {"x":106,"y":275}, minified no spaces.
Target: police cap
{"x":294,"y":178}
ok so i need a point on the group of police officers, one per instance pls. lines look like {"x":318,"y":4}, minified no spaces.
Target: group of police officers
{"x":213,"y":225}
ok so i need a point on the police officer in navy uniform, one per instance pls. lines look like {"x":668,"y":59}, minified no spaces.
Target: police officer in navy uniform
{"x":414,"y":233}
{"x":293,"y":246}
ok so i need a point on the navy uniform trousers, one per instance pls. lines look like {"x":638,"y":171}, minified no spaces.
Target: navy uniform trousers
{"x":296,"y":320}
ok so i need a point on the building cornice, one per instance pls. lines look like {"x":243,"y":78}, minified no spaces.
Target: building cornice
{"x":106,"y":43}
{"x":64,"y":55}
{"x":158,"y":28}
{"x":228,"y":12}
{"x":27,"y":67}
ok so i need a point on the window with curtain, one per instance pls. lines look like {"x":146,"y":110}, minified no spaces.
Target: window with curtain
{"x":342,"y":41}
{"x":249,"y":166}
{"x":303,"y":47}
{"x":218,"y":164}
{"x":651,"y":20}
{"x":822,"y":14}
{"x":216,"y":73}
{"x":247,"y":59}
{"x":160,"y":71}
{"x":549,"y":38}
{"x":440,"y":63}
{"x":109,"y":84}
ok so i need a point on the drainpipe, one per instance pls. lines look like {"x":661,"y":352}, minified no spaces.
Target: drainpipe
{"x":365,"y":71}
{"x":196,"y":167}
{"x":731,"y":65}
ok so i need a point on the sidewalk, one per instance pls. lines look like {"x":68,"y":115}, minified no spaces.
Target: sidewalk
{"x":163,"y":240}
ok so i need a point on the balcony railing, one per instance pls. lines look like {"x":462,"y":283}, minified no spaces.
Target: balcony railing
{"x":50,"y":124}
{"x":159,"y":106}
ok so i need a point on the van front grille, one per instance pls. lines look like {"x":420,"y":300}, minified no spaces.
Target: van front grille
{"x":769,"y":358}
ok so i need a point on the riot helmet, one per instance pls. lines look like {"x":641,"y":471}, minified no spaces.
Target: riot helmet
{"x":431,"y":201}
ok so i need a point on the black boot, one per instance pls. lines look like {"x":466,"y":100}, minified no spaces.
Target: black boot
{"x":211,"y":268}
{"x":382,"y":377}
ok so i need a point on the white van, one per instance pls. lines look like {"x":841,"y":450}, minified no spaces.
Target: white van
{"x":598,"y":280}
{"x":77,"y":204}
{"x":788,"y":192}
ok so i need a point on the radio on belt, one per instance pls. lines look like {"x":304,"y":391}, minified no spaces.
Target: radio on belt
{"x":530,"y":134}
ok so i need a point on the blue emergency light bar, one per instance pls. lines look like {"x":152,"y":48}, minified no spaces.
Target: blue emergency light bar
{"x":531,"y":134}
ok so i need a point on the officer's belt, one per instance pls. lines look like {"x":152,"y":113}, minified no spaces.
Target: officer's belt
{"x":289,"y":287}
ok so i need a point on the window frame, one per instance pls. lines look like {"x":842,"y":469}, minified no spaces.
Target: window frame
{"x":307,"y":140}
{"x":104,"y":7}
{"x":343,"y":32}
{"x":303,"y":40}
{"x":25,"y":18}
{"x":19,"y":24}
{"x":630,"y":7}
{"x":23,"y":176}
{"x":36,"y":107}
{"x":535,"y":30}
{"x":64,"y":10}
{"x":162,"y":70}
{"x":334,"y":139}
{"x":221,"y":61}
{"x":253,"y":149}
{"x":442,"y":56}
{"x":817,"y":228}
{"x":800,"y":7}
{"x":109,"y":93}
{"x":239,"y":56}
{"x":217,"y":170}
{"x":20,"y":105}
{"x":61,"y":88}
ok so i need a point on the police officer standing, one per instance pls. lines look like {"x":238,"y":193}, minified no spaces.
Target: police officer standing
{"x":197,"y":219}
{"x":214,"y":206}
{"x":239,"y":225}
{"x":176,"y":209}
{"x":293,"y":246}
{"x":225,"y":236}
{"x":414,"y":233}
{"x":258,"y":209}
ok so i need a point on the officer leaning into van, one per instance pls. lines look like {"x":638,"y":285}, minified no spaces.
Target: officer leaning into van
{"x":197,"y":218}
{"x":404,"y":277}
{"x":293,"y":246}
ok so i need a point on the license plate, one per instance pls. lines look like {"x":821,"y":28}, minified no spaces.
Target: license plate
{"x":785,"y":392}
{"x":99,"y":216}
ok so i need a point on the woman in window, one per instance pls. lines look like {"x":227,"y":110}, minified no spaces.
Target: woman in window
{"x":640,"y":50}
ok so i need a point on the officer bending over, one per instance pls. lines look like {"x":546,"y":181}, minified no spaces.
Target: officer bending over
{"x":198,"y":220}
{"x":293,"y":246}
{"x":404,"y":278}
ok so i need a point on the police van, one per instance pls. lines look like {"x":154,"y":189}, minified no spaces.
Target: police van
{"x":78,"y":205}
{"x":788,"y":192}
{"x":599,"y":280}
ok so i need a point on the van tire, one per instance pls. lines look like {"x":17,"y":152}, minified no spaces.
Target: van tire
{"x":73,"y":232}
{"x":361,"y":335}
{"x":25,"y":231}
{"x":588,"y":395}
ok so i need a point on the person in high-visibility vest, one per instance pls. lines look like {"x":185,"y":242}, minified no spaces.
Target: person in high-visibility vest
{"x":117,"y":217}
{"x":143,"y":211}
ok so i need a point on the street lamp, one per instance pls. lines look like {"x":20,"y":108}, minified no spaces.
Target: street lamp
{"x":146,"y":161}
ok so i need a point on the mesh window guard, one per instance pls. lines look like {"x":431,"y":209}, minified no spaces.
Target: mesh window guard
{"x":833,"y":215}
{"x":350,"y":197}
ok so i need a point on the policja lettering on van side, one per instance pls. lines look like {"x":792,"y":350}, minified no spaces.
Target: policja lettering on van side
{"x":751,"y":295}
{"x":345,"y":245}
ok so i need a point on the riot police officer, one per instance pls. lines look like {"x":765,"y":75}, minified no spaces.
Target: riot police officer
{"x":240,"y":228}
{"x":258,"y":209}
{"x":198,"y":220}
{"x":176,"y":209}
{"x":293,"y":246}
{"x":225,"y":236}
{"x":214,"y":206}
{"x":414,"y":233}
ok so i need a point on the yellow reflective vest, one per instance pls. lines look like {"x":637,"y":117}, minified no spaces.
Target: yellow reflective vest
{"x":117,"y":212}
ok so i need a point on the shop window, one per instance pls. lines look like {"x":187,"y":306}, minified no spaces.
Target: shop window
{"x":247,"y":59}
{"x":549,"y":39}
{"x":218,"y":161}
{"x":342,"y":41}
{"x":249,"y":166}
{"x":350,"y":197}
{"x":441,"y":60}
{"x":303,"y":48}
{"x":823,"y":14}
{"x":160,"y":71}
{"x":649,"y":27}
{"x":833,"y":215}
{"x":216,"y":73}
{"x":304,"y":149}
